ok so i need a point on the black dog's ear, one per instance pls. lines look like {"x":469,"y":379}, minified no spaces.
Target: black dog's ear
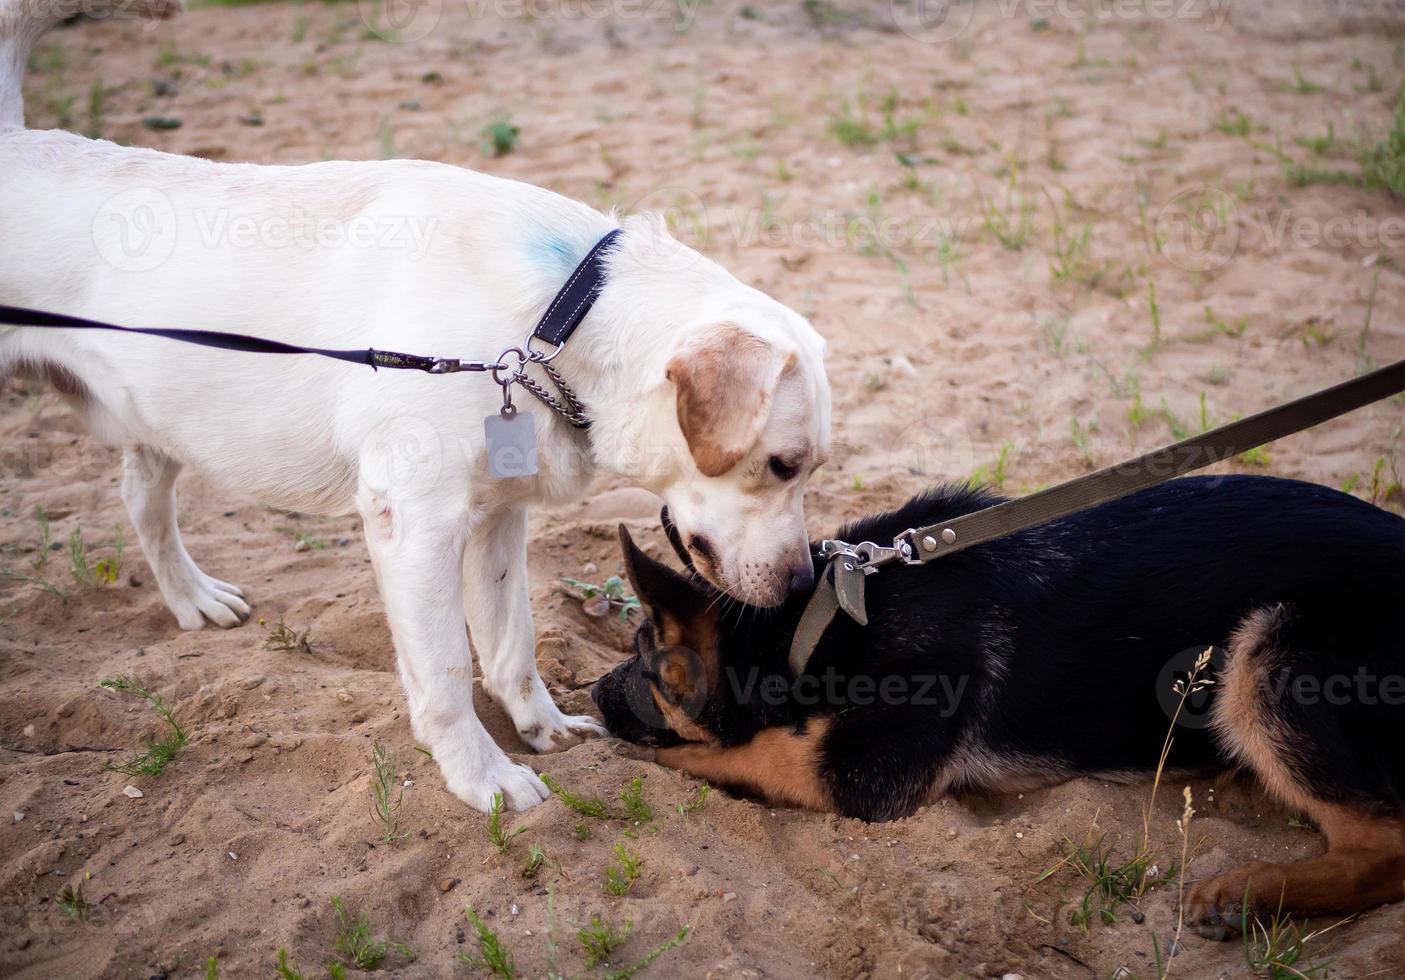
{"x":674,"y":538}
{"x":669,"y":597}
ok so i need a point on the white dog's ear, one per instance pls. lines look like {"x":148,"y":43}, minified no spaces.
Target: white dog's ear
{"x":724,"y":380}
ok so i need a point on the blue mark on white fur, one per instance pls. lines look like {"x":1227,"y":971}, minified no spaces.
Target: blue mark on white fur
{"x":556,"y":253}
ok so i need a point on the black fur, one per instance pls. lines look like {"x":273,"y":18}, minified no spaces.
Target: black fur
{"x":1050,"y":647}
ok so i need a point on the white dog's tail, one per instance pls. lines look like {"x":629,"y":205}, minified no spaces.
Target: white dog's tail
{"x":22,"y":22}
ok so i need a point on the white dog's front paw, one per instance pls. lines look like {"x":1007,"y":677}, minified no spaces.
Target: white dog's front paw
{"x":196,"y":600}
{"x":477,"y":780}
{"x":542,"y":725}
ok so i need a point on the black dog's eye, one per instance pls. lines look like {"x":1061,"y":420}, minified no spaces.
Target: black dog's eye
{"x":782,"y":469}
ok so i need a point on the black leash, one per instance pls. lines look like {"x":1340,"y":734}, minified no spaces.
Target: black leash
{"x":841,"y":585}
{"x":560,"y":320}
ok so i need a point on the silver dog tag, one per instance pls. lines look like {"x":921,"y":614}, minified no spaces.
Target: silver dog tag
{"x":512,"y":444}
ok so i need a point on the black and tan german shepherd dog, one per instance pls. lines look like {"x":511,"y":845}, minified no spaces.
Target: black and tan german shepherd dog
{"x":1065,"y":651}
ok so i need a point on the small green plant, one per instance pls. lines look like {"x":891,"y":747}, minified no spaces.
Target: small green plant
{"x":623,"y":871}
{"x":97,"y":108}
{"x":212,"y":968}
{"x":356,"y":943}
{"x":1385,"y":480}
{"x":1303,"y":85}
{"x":1070,"y":261}
{"x":287,"y":970}
{"x":593,"y":807}
{"x":1277,"y":949}
{"x":582,"y":831}
{"x":600,"y":940}
{"x":36,"y":580}
{"x":1153,"y":308}
{"x":536,"y":860}
{"x":71,"y":903}
{"x":497,"y":835}
{"x":384,"y":808}
{"x":41,"y":554}
{"x":632,"y":796}
{"x":1232,"y":122}
{"x":1012,"y":225}
{"x":499,"y":136}
{"x":994,"y":476}
{"x":674,"y":941}
{"x":1110,"y":885}
{"x":695,"y":804}
{"x":851,"y":128}
{"x":599,"y":600}
{"x":306,"y":541}
{"x":493,"y":956}
{"x":102,"y":572}
{"x":284,"y":637}
{"x":1081,"y":431}
{"x":157,"y":755}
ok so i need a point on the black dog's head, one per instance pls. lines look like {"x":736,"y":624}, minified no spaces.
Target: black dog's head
{"x":688,"y":680}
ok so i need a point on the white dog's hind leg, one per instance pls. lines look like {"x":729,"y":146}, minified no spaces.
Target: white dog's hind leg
{"x":149,"y":491}
{"x":417,"y":546}
{"x":498,"y":607}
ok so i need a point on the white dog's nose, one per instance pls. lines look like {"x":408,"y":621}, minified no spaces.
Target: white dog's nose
{"x":802,"y":577}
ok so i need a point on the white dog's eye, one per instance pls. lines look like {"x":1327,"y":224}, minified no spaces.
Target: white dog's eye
{"x":782,"y":469}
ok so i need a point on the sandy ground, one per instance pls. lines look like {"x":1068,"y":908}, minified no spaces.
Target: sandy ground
{"x":842,"y":165}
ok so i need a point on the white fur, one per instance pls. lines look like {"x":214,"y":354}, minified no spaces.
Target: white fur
{"x":457,"y":264}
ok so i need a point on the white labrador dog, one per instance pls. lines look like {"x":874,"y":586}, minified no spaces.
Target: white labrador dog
{"x":701,"y":389}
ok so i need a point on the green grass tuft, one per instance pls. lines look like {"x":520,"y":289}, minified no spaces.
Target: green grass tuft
{"x":493,"y":956}
{"x":157,"y":755}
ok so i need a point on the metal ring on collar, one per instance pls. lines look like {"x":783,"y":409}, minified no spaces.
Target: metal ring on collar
{"x":502,"y":365}
{"x":536,"y":355}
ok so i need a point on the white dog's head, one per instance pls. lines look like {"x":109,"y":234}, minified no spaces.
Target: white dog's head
{"x":753,"y":414}
{"x":714,"y":396}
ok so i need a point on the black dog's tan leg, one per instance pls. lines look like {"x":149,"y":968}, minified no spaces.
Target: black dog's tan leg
{"x":1364,"y":867}
{"x":779,"y":764}
{"x":1301,"y":749}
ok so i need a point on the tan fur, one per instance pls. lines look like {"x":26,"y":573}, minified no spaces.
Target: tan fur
{"x":1243,"y":727}
{"x":725,"y":384}
{"x":778,"y":764}
{"x":679,"y":722}
{"x":1364,"y":864}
